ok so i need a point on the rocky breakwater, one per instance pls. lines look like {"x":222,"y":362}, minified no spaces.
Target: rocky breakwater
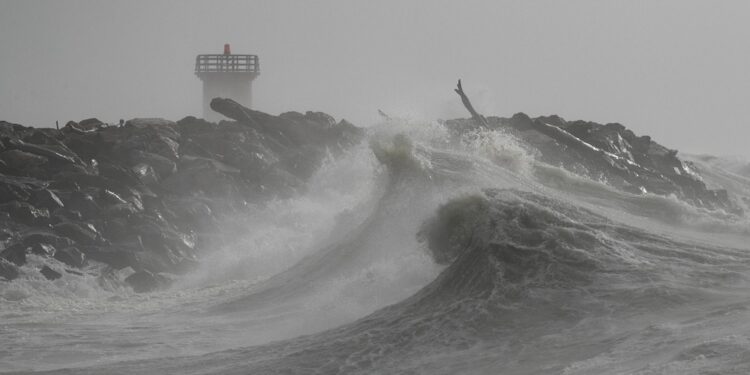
{"x":610,"y":153}
{"x":147,"y":197}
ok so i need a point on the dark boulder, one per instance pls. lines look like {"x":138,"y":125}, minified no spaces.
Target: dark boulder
{"x":9,"y":128}
{"x":191,"y":214}
{"x":69,"y":181}
{"x":86,"y":147}
{"x":23,"y":163}
{"x":15,"y":254}
{"x":153,"y":122}
{"x":66,"y":215}
{"x":64,"y":184}
{"x":83,"y":203}
{"x":203,"y":177}
{"x":118,"y":173}
{"x":42,"y":137}
{"x":8,"y":271}
{"x":117,"y":229}
{"x":57,"y":153}
{"x":46,"y":199}
{"x":81,"y":234}
{"x":49,"y":273}
{"x":90,"y":124}
{"x":109,"y":197}
{"x":190,"y":125}
{"x":163,"y":166}
{"x":13,"y":190}
{"x":5,"y":234}
{"x":25,"y":213}
{"x":34,"y":237}
{"x":42,"y":249}
{"x":157,"y":136}
{"x":145,"y":173}
{"x":71,"y":256}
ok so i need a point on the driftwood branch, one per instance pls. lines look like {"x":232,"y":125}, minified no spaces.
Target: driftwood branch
{"x":384,"y":115}
{"x":480,"y":120}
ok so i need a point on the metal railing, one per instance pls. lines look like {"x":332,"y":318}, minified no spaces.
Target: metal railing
{"x":227,"y":64}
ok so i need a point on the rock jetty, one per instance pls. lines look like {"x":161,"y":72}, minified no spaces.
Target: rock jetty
{"x":148,"y":194}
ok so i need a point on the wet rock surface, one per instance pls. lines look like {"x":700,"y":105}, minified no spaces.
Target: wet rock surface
{"x":151,"y":193}
{"x":610,"y":153}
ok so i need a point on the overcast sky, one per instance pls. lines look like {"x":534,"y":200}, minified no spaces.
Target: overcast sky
{"x":676,"y":70}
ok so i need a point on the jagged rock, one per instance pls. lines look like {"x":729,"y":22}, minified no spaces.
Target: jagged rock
{"x":83,"y":203}
{"x":163,"y":166}
{"x":85,"y":235}
{"x":5,"y":234}
{"x":26,"y":213}
{"x":42,"y":249}
{"x":192,"y":214}
{"x":145,"y":173}
{"x":86,"y":146}
{"x":64,"y":184}
{"x":71,"y":256}
{"x":73,"y":181}
{"x":23,"y":161}
{"x":141,"y":123}
{"x":157,"y":136}
{"x":118,"y":173}
{"x":110,"y":198}
{"x":89,"y":124}
{"x":15,"y":254}
{"x":55,"y":153}
{"x":190,"y":124}
{"x":41,"y":137}
{"x":46,"y":199}
{"x":204,"y":178}
{"x":33,"y":238}
{"x":49,"y":273}
{"x":13,"y":190}
{"x":72,"y":125}
{"x":8,"y":271}
{"x":8,"y":128}
{"x":64,"y":214}
{"x":117,"y":229}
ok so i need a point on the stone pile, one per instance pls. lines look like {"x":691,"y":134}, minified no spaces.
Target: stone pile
{"x":610,"y":153}
{"x":148,"y":194}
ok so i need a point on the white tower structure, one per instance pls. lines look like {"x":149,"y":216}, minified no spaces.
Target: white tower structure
{"x":226,"y":76}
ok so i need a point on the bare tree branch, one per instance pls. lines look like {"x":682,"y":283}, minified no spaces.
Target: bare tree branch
{"x":467,"y":103}
{"x":384,"y":115}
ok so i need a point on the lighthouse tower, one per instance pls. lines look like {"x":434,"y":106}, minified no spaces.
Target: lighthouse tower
{"x":226,"y":76}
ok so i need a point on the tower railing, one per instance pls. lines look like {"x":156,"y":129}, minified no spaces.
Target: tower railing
{"x":227,"y":64}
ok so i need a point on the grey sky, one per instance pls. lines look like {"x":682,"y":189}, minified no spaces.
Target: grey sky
{"x":677,"y":70}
